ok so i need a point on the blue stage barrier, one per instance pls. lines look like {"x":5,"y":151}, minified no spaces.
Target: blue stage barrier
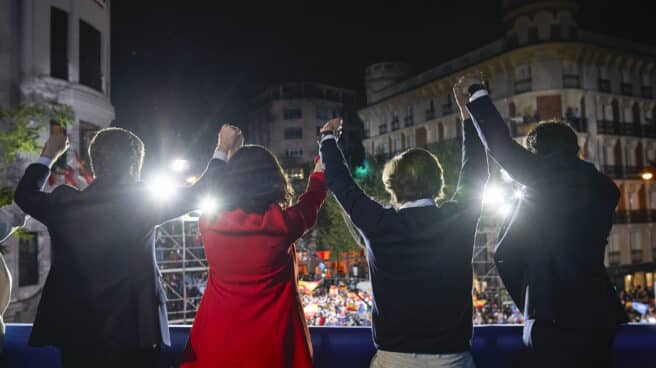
{"x":352,"y":347}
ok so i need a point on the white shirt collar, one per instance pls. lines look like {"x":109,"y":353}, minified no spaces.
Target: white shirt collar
{"x":424,"y":202}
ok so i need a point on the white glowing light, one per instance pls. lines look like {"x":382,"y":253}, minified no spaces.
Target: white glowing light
{"x":519,"y":194}
{"x":647,"y":176}
{"x":179,"y":165}
{"x":191,"y":179}
{"x":209,"y":205}
{"x":505,"y":210}
{"x":161,"y":187}
{"x":505,"y":176}
{"x":493,"y":195}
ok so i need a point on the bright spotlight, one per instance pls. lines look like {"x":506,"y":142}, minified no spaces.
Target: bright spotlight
{"x":505,"y":176}
{"x":191,"y":179}
{"x":519,"y":194}
{"x":646,"y":176}
{"x":161,"y":186}
{"x":493,"y":195}
{"x":208,"y":205}
{"x":505,"y":210}
{"x":179,"y":165}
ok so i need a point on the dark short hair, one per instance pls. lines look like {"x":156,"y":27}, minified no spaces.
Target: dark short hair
{"x":253,"y":180}
{"x":116,"y":153}
{"x":412,"y":175}
{"x":553,"y":137}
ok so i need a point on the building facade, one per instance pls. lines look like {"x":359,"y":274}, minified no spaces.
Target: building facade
{"x":52,"y":50}
{"x":286,"y":118}
{"x":544,"y":67}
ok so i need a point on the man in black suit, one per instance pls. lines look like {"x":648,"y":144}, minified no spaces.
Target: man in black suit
{"x":551,"y":254}
{"x":103,"y":304}
{"x":419,"y":253}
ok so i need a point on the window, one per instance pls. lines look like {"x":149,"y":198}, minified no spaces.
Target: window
{"x":614,"y":251}
{"x":58,"y":43}
{"x":409,"y":119}
{"x":295,"y":173}
{"x":87,"y":131}
{"x":636,"y":247}
{"x":604,"y":81}
{"x":292,"y":113}
{"x":293,"y":133}
{"x":325,"y":114}
{"x":90,"y":56}
{"x":294,"y":153}
{"x":571,"y":78}
{"x":395,"y":120}
{"x":523,"y":78}
{"x":430,"y":112}
{"x":647,"y":90}
{"x":28,"y":260}
{"x":627,"y":83}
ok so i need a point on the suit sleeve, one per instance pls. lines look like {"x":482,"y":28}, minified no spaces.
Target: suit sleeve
{"x":521,"y":165}
{"x":474,"y":171}
{"x":366,"y":214}
{"x":29,"y":195}
{"x":187,"y":199}
{"x":303,"y":215}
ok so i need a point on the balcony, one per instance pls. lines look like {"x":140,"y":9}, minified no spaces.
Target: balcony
{"x":647,"y":92}
{"x":604,"y":85}
{"x":608,"y":127}
{"x":382,"y":129}
{"x":492,"y":346}
{"x":636,"y":256}
{"x":408,"y":121}
{"x":638,"y":216}
{"x":430,"y":115}
{"x":571,"y":81}
{"x":524,"y":85}
{"x":627,"y":89}
{"x":395,"y":125}
{"x":447,"y":109}
{"x":614,"y":258}
{"x":621,"y":217}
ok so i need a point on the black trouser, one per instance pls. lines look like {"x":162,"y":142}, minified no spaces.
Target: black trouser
{"x":564,"y":347}
{"x":74,"y":358}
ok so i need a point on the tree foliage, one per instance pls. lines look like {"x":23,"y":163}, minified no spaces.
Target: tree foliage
{"x":20,"y":128}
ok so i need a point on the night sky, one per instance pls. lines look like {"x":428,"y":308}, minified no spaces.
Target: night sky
{"x":178,"y":72}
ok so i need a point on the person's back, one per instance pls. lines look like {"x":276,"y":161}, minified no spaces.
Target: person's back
{"x":251,"y":313}
{"x":102,"y":303}
{"x":419,"y":254}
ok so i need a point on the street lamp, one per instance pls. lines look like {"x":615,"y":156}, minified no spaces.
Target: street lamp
{"x":647,"y":173}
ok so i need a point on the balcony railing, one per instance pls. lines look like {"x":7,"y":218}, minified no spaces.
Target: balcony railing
{"x":395,"y":125}
{"x":571,"y":81}
{"x":627,"y":89}
{"x":382,"y":129}
{"x":409,"y":121}
{"x":621,"y":217}
{"x":636,"y":255}
{"x":447,"y":109}
{"x":430,"y":115}
{"x":647,"y":92}
{"x":639,"y":216}
{"x":614,"y":258}
{"x":524,"y":85}
{"x":604,"y":85}
{"x":613,"y":171}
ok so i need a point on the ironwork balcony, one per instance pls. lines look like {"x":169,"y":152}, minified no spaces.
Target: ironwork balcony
{"x":382,"y":129}
{"x":613,"y":171}
{"x":571,"y":81}
{"x":621,"y":217}
{"x":647,"y":92}
{"x":395,"y":125}
{"x":632,"y":171}
{"x":627,"y":89}
{"x":639,"y":216}
{"x":430,"y":115}
{"x":636,"y":256}
{"x":524,"y":85}
{"x":604,"y":85}
{"x":609,"y":127}
{"x":614,"y":258}
{"x":409,"y":121}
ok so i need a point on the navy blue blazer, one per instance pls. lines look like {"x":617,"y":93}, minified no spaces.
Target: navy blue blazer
{"x":554,"y":243}
{"x":103,"y":291}
{"x":419,"y":257}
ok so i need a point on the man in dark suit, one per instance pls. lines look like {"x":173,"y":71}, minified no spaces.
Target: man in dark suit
{"x":419,"y":253}
{"x":551,"y":254}
{"x":103,"y":304}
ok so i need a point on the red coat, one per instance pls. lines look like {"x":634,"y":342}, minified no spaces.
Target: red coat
{"x":251,"y":313}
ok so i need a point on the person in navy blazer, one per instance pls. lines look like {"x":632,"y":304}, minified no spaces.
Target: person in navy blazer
{"x":419,"y":253}
{"x":551,"y":253}
{"x":103,"y":304}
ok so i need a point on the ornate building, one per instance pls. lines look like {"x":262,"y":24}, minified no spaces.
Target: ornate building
{"x":544,"y":67}
{"x":52,"y":50}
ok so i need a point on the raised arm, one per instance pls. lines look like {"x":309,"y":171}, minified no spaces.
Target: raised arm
{"x":29,"y":195}
{"x":303,"y":215}
{"x":365,"y":213}
{"x":521,"y":165}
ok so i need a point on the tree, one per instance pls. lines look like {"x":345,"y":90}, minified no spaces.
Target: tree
{"x":20,"y":128}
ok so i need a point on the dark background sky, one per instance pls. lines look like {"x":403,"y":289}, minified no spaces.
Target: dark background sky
{"x":181,"y":68}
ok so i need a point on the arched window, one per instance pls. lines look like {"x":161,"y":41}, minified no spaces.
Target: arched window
{"x":636,"y":113}
{"x":617,"y":154}
{"x":616,"y":111}
{"x":639,"y":156}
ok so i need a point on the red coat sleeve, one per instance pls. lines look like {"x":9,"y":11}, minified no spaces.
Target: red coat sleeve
{"x":302,"y":216}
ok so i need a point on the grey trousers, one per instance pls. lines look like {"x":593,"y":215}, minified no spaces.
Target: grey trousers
{"x":387,"y":359}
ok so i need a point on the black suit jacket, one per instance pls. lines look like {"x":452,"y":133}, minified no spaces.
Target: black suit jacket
{"x":554,"y":243}
{"x":103,"y":290}
{"x":419,"y":257}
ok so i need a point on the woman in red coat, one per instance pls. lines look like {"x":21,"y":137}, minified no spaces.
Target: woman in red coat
{"x":251,"y":313}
